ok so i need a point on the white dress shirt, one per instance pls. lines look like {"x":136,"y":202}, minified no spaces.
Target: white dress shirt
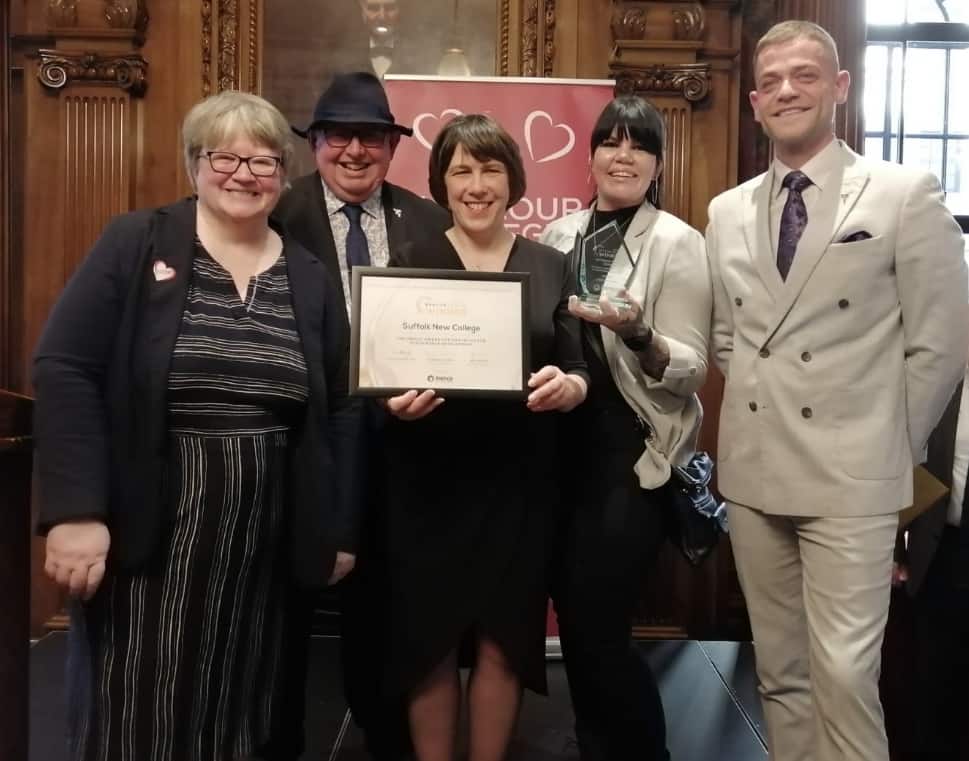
{"x":374,"y":227}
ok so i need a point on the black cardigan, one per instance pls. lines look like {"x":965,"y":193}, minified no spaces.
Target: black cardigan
{"x":101,"y":373}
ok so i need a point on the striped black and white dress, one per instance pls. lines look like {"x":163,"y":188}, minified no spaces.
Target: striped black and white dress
{"x":185,"y":660}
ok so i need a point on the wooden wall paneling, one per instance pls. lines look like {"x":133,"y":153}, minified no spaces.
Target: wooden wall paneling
{"x":676,"y":163}
{"x":668,"y":73}
{"x":97,"y":134}
{"x":582,"y":40}
{"x":684,"y":57}
{"x":6,"y":260}
{"x":758,"y":17}
{"x":174,"y":47}
{"x":83,"y":82}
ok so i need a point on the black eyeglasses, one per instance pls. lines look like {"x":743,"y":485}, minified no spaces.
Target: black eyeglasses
{"x":341,"y":137}
{"x":224,"y":162}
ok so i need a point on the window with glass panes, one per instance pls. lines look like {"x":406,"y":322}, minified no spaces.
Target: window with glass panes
{"x":915,"y":103}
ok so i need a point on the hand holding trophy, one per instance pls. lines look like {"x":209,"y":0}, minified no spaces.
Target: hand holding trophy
{"x":592,"y":260}
{"x":602,"y":281}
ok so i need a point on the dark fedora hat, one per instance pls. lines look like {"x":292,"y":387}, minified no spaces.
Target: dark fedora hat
{"x":354,"y":98}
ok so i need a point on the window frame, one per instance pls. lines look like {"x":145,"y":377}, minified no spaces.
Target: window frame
{"x":937,"y":35}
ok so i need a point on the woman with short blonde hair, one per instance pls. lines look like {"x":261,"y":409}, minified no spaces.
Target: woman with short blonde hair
{"x":195,"y":443}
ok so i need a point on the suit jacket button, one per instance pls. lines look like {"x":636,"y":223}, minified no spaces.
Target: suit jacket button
{"x":753,"y":406}
{"x":806,"y":356}
{"x":764,"y":353}
{"x":738,"y":301}
{"x":806,"y":412}
{"x":843,"y":303}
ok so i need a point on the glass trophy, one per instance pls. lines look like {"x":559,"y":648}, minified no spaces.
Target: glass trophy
{"x":592,"y":260}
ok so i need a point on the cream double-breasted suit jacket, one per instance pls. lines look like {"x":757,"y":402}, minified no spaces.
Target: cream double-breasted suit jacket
{"x":836,"y":376}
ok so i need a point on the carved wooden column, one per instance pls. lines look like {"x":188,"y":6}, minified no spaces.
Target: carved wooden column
{"x":681,"y":57}
{"x":84,"y":78}
{"x":230,"y":45}
{"x":526,"y":44}
{"x":83,"y":129}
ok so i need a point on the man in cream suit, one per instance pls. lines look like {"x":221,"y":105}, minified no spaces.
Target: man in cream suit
{"x":840,"y":325}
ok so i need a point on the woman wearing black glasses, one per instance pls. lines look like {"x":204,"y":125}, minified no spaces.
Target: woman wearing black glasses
{"x":194,"y":433}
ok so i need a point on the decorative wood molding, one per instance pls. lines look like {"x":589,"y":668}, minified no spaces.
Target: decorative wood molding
{"x":689,"y":23}
{"x":127,"y":14}
{"x":691,"y":80}
{"x":504,"y":35}
{"x":628,"y":23}
{"x":59,"y":69}
{"x":676,"y":163}
{"x":228,"y":45}
{"x":98,"y":128}
{"x":253,"y":47}
{"x":206,"y":48}
{"x":530,"y":39}
{"x":538,"y":23}
{"x":548,"y":60}
{"x":62,"y":12}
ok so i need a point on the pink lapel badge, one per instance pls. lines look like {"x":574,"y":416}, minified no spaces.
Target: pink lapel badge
{"x":162,"y":271}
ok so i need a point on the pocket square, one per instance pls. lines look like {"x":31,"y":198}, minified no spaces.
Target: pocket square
{"x":860,"y":235}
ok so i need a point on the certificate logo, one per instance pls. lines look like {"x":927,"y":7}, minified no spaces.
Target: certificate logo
{"x":427,"y":305}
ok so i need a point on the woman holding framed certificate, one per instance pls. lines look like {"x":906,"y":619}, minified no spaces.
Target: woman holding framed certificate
{"x":645,"y":342}
{"x":472,"y":481}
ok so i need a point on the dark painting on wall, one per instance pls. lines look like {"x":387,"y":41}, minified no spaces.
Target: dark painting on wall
{"x":306,"y":42}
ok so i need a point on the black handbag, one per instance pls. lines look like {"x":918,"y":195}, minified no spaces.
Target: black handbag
{"x":694,"y":518}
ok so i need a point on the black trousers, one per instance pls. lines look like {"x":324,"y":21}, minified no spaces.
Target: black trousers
{"x":365,"y":608}
{"x":941,"y":703}
{"x":610,"y":534}
{"x":364,"y":649}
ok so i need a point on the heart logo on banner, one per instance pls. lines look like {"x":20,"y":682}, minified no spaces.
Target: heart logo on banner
{"x":530,"y":141}
{"x":427,"y":140}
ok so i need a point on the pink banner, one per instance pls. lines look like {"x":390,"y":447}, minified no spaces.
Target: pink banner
{"x":551,"y":120}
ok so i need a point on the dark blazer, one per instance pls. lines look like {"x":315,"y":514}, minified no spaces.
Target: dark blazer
{"x":411,"y":220}
{"x":101,"y":375}
{"x":926,"y":530}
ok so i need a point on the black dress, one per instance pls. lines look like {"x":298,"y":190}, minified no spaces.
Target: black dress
{"x":183,"y":662}
{"x":472,"y":491}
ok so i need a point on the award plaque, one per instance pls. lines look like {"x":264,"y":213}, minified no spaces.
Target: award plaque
{"x":592,"y":259}
{"x":459,"y":333}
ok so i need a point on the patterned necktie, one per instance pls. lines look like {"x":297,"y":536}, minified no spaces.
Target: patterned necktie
{"x":358,"y":252}
{"x":793,"y":221}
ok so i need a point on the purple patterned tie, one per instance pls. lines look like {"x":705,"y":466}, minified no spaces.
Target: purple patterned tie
{"x":793,"y":221}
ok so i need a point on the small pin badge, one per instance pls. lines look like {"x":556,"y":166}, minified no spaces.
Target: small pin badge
{"x":162,"y":271}
{"x":398,"y":212}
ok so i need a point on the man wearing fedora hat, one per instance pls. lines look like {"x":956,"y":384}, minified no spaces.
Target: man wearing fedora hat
{"x":347,"y":214}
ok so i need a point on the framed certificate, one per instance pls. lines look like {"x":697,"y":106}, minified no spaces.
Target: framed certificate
{"x":457,"y":332}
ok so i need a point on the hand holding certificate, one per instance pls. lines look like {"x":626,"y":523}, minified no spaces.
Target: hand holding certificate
{"x":459,"y":333}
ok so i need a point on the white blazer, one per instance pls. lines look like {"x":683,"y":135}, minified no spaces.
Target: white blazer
{"x":672,"y":282}
{"x":836,"y":376}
